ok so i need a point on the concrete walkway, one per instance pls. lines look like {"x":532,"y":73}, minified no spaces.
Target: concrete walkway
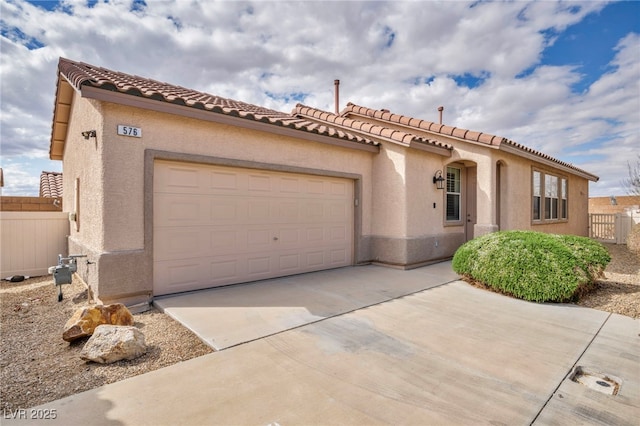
{"x":450,"y":354}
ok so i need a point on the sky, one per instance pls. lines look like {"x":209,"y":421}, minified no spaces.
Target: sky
{"x":561,"y":77}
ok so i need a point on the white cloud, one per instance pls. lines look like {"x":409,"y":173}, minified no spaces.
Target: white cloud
{"x":277,"y":53}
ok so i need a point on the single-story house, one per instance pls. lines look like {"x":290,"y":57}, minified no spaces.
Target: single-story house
{"x":170,"y":189}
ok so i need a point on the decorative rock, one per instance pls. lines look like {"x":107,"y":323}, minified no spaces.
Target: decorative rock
{"x":85,"y":320}
{"x":111,"y":343}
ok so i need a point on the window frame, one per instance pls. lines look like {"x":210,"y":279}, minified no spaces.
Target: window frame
{"x":550,"y":194}
{"x":458,"y":221}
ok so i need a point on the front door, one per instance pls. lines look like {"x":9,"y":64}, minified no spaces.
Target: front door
{"x":470,"y":202}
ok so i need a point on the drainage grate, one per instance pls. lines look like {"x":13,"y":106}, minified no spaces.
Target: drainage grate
{"x":591,"y":378}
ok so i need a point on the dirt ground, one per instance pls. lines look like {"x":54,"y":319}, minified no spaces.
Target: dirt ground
{"x":37,"y":366}
{"x":619,"y":291}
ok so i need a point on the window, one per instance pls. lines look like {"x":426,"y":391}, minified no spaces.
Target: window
{"x":550,"y":197}
{"x":549,"y":201}
{"x":453,"y":194}
{"x":537,"y":185}
{"x":563,"y":196}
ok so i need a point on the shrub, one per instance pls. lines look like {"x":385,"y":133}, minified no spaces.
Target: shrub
{"x":532,"y":265}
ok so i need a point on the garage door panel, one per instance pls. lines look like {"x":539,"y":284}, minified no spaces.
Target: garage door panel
{"x":314,"y":235}
{"x":315,"y":259}
{"x":338,"y":256}
{"x":216,"y":225}
{"x":288,"y":262}
{"x":224,"y":270}
{"x":176,"y":276}
{"x":179,"y":178}
{"x":338,"y":188}
{"x":259,"y":265}
{"x":222,"y":239}
{"x":259,"y":210}
{"x":259,"y":238}
{"x":179,"y":243}
{"x":178,"y":209}
{"x":315,"y":186}
{"x":227,"y":181}
{"x":289,"y":185}
{"x":259,"y":183}
{"x":225,"y":210}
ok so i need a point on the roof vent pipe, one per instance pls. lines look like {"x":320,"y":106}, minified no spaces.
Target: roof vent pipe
{"x":336,"y":84}
{"x":440,"y":109}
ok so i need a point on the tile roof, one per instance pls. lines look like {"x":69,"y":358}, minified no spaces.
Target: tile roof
{"x":80,"y":74}
{"x":456,"y":132}
{"x":395,"y":135}
{"x":51,"y":185}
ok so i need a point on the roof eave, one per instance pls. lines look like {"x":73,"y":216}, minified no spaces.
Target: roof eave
{"x":127,"y":99}
{"x":439,"y":150}
{"x":318,"y":116}
{"x":531,"y":156}
{"x":61,"y":114}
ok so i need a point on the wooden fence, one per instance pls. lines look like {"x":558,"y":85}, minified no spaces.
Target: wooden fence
{"x":611,"y":228}
{"x":31,"y":241}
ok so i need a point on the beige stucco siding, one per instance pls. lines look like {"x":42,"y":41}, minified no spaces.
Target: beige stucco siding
{"x":115,"y":193}
{"x":389,"y":214}
{"x":422,"y":217}
{"x":124,"y":215}
{"x":83,"y":161}
{"x":516,"y":197}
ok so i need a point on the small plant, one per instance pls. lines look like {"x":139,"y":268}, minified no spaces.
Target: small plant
{"x":531,"y":265}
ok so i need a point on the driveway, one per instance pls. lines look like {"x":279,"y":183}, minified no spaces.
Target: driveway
{"x":446,"y":354}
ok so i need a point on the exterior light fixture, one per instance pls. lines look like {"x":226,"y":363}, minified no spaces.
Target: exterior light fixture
{"x":89,"y":134}
{"x":438,"y":180}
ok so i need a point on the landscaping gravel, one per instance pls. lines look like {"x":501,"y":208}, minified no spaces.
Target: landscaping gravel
{"x":38,"y":366}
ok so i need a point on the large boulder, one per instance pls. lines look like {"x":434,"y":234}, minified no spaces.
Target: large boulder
{"x":111,"y":343}
{"x":85,"y":320}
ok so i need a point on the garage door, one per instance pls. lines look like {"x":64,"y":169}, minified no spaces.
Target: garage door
{"x":215,"y":225}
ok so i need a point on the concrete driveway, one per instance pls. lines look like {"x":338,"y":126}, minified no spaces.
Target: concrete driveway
{"x":448,"y":354}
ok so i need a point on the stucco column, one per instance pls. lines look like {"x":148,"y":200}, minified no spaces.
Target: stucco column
{"x":486,"y":197}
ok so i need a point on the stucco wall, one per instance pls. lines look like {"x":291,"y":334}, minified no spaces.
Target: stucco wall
{"x":622,"y":203}
{"x":514,"y":194}
{"x":400,"y":217}
{"x":113,"y":214}
{"x":29,"y":204}
{"x":165,"y":132}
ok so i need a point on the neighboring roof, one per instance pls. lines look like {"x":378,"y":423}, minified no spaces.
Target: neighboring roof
{"x":459,"y":133}
{"x":374,"y":130}
{"x":82,"y":77}
{"x":51,"y":185}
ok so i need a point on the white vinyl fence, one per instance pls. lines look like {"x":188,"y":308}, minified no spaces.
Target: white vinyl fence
{"x":31,"y":241}
{"x":612,"y":228}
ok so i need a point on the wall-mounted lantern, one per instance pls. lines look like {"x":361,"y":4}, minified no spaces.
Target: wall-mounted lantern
{"x":89,"y":134}
{"x":438,"y":180}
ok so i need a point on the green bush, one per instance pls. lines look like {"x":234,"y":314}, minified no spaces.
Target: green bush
{"x":532,"y":265}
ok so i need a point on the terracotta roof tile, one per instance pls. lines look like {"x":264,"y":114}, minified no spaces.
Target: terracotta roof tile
{"x":398,"y":136}
{"x":80,"y":74}
{"x":50,"y":185}
{"x":460,"y":133}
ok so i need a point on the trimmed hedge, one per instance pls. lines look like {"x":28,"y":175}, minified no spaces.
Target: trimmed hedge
{"x":534,"y":266}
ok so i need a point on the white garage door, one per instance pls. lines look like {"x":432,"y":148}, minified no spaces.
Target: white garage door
{"x":215,"y":225}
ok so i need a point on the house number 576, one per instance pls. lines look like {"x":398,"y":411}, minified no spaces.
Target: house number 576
{"x":135,"y":132}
